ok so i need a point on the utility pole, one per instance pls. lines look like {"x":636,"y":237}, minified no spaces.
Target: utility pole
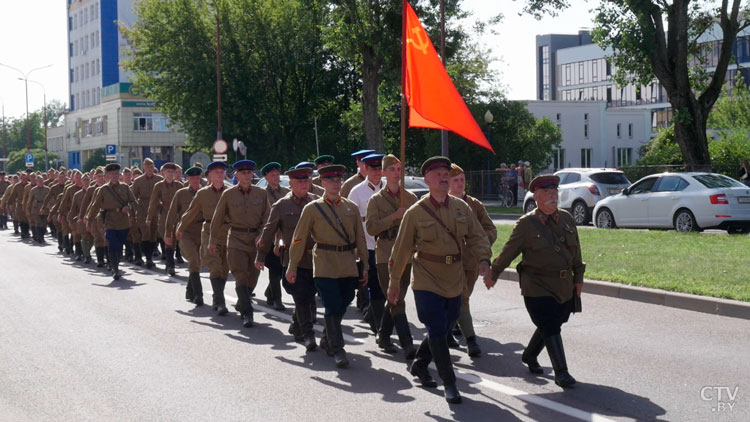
{"x":443,"y":133}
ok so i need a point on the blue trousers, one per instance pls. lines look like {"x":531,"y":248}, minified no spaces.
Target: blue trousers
{"x":336,"y":293}
{"x":373,"y":283}
{"x":115,"y":239}
{"x":436,"y":312}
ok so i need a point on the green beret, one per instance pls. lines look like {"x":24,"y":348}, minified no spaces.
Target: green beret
{"x":273,"y":165}
{"x":324,"y":159}
{"x":194,"y":171}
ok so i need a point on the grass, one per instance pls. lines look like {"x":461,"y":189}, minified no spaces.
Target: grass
{"x":504,"y":210}
{"x":702,"y":264}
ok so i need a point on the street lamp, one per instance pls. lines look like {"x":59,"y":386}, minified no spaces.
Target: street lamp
{"x":46,"y":157}
{"x":26,"y":81}
{"x":488,"y":118}
{"x":5,"y":153}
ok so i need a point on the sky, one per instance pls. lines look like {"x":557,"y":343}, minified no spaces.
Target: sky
{"x":34,"y":35}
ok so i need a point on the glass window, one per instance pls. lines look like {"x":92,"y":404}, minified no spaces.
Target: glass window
{"x":618,"y":130}
{"x":558,"y":158}
{"x":670,"y":184}
{"x":644,"y":186}
{"x":630,"y":130}
{"x":586,"y":130}
{"x":586,"y":157}
{"x":610,"y":178}
{"x":713,"y":181}
{"x":624,"y":157}
{"x":585,"y":117}
{"x":150,"y":122}
{"x":572,"y":178}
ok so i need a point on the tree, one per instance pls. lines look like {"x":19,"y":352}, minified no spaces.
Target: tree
{"x":98,"y":158}
{"x":17,"y":162}
{"x":659,"y":39}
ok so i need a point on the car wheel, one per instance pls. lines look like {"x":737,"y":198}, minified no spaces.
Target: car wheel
{"x":530,"y":206}
{"x":605,"y":219}
{"x":684,"y":221}
{"x":580,"y":213}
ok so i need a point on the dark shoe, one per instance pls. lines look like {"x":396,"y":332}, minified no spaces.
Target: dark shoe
{"x":170,"y":271}
{"x":87,"y":260}
{"x":150,"y":264}
{"x":452,"y":395}
{"x":441,"y":355}
{"x":384,"y":333}
{"x":269,"y":295}
{"x":137,"y":251}
{"x":277,"y":305}
{"x":340,"y":359}
{"x":324,"y":344}
{"x":386,"y":345}
{"x":471,"y":344}
{"x":529,"y":356}
{"x":419,"y":366}
{"x":221,"y":310}
{"x":247,"y":319}
{"x":556,"y":353}
{"x":452,"y":343}
{"x":335,"y":339}
{"x":456,"y":331}
{"x":309,"y":343}
{"x":198,"y":301}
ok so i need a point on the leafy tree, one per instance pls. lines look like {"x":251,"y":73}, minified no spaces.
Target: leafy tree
{"x":98,"y":158}
{"x":16,"y":160}
{"x":661,"y":150}
{"x":659,"y":39}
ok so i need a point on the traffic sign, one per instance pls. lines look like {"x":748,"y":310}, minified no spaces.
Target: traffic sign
{"x":30,"y":164}
{"x":220,"y":146}
{"x":5,"y":159}
{"x":220,"y":157}
{"x":29,"y":157}
{"x":111,"y":157}
{"x":110,"y":149}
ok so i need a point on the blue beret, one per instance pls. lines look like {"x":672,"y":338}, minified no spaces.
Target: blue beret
{"x":305,"y":164}
{"x":216,"y":164}
{"x":373,"y":160}
{"x":244,"y":165}
{"x":361,"y":153}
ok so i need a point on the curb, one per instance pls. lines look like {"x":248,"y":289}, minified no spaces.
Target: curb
{"x":705,"y":304}
{"x":505,"y":216}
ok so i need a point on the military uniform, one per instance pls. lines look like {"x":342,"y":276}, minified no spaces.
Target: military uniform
{"x":33,"y":210}
{"x":323,"y":160}
{"x":550,"y":267}
{"x":143,"y":187}
{"x":272,"y":262}
{"x":19,"y":214}
{"x":28,"y":220}
{"x":77,"y":225}
{"x":63,"y":209}
{"x":358,"y":177}
{"x":55,"y":190}
{"x":97,"y":230}
{"x":161,"y":199}
{"x":191,"y":237}
{"x":438,"y":276}
{"x":4,"y":184}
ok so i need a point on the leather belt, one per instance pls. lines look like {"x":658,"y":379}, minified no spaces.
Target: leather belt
{"x":551,"y":273}
{"x":336,"y":248}
{"x":442,"y":259}
{"x":243,"y":230}
{"x":389,"y":234}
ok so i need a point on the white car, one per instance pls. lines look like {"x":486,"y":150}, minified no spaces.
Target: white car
{"x":683,"y":201}
{"x":581,"y":188}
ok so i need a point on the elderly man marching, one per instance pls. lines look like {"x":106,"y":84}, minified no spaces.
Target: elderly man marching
{"x":471,"y":264}
{"x":335,"y":225}
{"x":243,"y":209}
{"x":440,"y":229}
{"x":143,"y":187}
{"x":161,"y":199}
{"x":384,"y":214}
{"x":272,"y":173}
{"x":550,"y":273}
{"x":202,"y":209}
{"x":284,"y":215}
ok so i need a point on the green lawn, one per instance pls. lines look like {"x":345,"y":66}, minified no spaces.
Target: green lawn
{"x":503,"y":210}
{"x":703,"y":264}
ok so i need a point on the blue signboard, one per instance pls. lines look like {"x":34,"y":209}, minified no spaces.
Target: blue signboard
{"x":110,"y":149}
{"x":29,"y":158}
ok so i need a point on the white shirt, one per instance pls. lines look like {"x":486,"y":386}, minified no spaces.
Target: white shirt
{"x":361,"y":195}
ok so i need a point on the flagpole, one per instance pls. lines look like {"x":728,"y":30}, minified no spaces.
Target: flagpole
{"x":443,"y":133}
{"x":403,"y":102}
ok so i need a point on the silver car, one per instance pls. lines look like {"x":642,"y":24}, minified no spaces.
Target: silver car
{"x":581,"y":188}
{"x":683,"y":201}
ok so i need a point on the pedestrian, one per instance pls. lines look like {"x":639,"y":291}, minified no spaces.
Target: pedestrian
{"x":436,"y":232}
{"x":314,"y":188}
{"x":283,"y":218}
{"x":511,"y":178}
{"x":143,"y":187}
{"x":34,"y":209}
{"x":385,"y":212}
{"x":335,"y":225}
{"x":744,"y":173}
{"x":76,"y":224}
{"x":550,"y":274}
{"x":97,"y":231}
{"x":274,"y":190}
{"x":320,"y":162}
{"x":161,"y":199}
{"x":3,"y":213}
{"x":527,"y":174}
{"x":242,"y":209}
{"x":360,"y":176}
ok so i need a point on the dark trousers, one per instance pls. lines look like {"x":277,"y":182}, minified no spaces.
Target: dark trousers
{"x":303,"y":290}
{"x":547,"y":314}
{"x":436,"y":312}
{"x":336,"y":293}
{"x":373,"y":282}
{"x":115,"y":239}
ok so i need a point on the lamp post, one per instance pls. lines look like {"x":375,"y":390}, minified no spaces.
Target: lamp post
{"x":488,"y":118}
{"x":46,"y":157}
{"x":5,"y":153}
{"x":25,"y":78}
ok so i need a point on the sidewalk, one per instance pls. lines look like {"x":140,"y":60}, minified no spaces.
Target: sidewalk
{"x":705,"y":304}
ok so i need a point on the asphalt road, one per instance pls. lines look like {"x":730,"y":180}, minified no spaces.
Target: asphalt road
{"x":77,"y":346}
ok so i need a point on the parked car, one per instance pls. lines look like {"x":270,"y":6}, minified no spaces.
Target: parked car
{"x":581,"y":188}
{"x":415,"y":185}
{"x":683,"y":201}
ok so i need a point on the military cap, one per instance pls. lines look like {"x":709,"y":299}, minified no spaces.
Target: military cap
{"x":198,"y":164}
{"x":216,"y":164}
{"x":126,"y":171}
{"x":244,"y":165}
{"x":76,"y":172}
{"x":333,"y":170}
{"x":62,"y":169}
{"x":389,"y":160}
{"x":136,"y":170}
{"x":299,"y":173}
{"x":456,"y":170}
{"x":85,"y":176}
{"x":148,"y":162}
{"x":100,"y":170}
{"x":305,"y":164}
{"x":544,"y":181}
{"x":112,"y":167}
{"x":177,"y":167}
{"x":324,"y":159}
{"x":433,"y":163}
{"x":373,"y":160}
{"x":362,"y":153}
{"x":273,"y":165}
{"x":193,"y":171}
{"x":29,"y":171}
{"x":168,"y":166}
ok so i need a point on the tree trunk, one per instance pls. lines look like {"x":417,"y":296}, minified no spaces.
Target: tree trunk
{"x":690,"y":134}
{"x":373,"y":126}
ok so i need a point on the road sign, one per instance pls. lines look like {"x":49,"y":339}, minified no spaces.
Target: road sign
{"x":29,"y":159}
{"x":4,"y":159}
{"x":220,"y":146}
{"x":220,"y":157}
{"x":137,"y":163}
{"x":200,"y":157}
{"x":110,"y":149}
{"x":30,"y":164}
{"x":111,"y":157}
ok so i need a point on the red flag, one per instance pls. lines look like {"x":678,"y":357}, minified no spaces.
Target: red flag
{"x":433,"y":100}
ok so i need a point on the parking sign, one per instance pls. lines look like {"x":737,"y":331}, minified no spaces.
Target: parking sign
{"x":110,"y":149}
{"x":29,"y":158}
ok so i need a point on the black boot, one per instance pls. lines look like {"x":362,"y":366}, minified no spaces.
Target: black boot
{"x":336,"y":340}
{"x":419,"y":368}
{"x":114,"y":261}
{"x":363,"y":299}
{"x":129,"y":251}
{"x":384,"y":333}
{"x":178,"y":254}
{"x":401,"y":323}
{"x":374,"y":314}
{"x":137,"y":260}
{"x":99,"y":256}
{"x":170,"y":261}
{"x":442,"y":356}
{"x":68,"y":245}
{"x":189,"y":295}
{"x":244,"y":305}
{"x":304,"y":321}
{"x":294,"y":327}
{"x":556,"y":353}
{"x":79,"y":251}
{"x":163,"y":247}
{"x":452,"y":343}
{"x":60,"y":242}
{"x":529,"y":356}
{"x":194,"y":280}
{"x":219,"y":304}
{"x":25,"y":231}
{"x":473,"y":347}
{"x":148,"y":251}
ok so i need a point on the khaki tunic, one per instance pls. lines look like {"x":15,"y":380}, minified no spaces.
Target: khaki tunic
{"x":420,"y":232}
{"x":65,"y":204}
{"x":25,"y":201}
{"x":74,"y":221}
{"x":328,"y":263}
{"x":3,"y":188}
{"x":276,"y":194}
{"x":142,"y":189}
{"x":34,"y":205}
{"x":55,"y":190}
{"x":112,"y":199}
{"x":317,"y":190}
{"x":202,"y":209}
{"x":471,"y":262}
{"x":283,"y":217}
{"x":161,"y":199}
{"x":350,"y":183}
{"x":191,"y":236}
{"x":541,"y":266}
{"x":19,"y":214}
{"x":97,"y":226}
{"x":316,"y":181}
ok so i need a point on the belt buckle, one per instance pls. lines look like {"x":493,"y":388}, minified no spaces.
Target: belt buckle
{"x":449,"y":259}
{"x":563,"y":273}
{"x":339,"y":249}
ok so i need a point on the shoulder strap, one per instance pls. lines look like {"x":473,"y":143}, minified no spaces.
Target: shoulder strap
{"x":343,"y":235}
{"x":550,"y":239}
{"x":433,"y":215}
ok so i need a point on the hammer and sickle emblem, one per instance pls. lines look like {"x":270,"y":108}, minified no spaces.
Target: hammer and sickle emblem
{"x":422,"y":43}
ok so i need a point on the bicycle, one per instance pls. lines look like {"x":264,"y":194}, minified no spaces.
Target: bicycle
{"x":505,"y":196}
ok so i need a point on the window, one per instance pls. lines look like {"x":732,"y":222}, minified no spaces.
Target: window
{"x":618,"y":130}
{"x":586,"y":131}
{"x":572,"y":178}
{"x":558,"y":158}
{"x":609,"y":69}
{"x":630,"y":130}
{"x":671,"y":184}
{"x":609,"y":94}
{"x":594,"y":70}
{"x":75,"y":74}
{"x":150,"y":122}
{"x":644,"y":186}
{"x":586,"y":157}
{"x":624,"y":157}
{"x":86,"y":71}
{"x":85,"y":16}
{"x":714,"y":181}
{"x":75,"y":21}
{"x":585,"y":117}
{"x":97,"y":38}
{"x":75,"y":48}
{"x":72,"y":75}
{"x":557,"y":116}
{"x":98,"y":69}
